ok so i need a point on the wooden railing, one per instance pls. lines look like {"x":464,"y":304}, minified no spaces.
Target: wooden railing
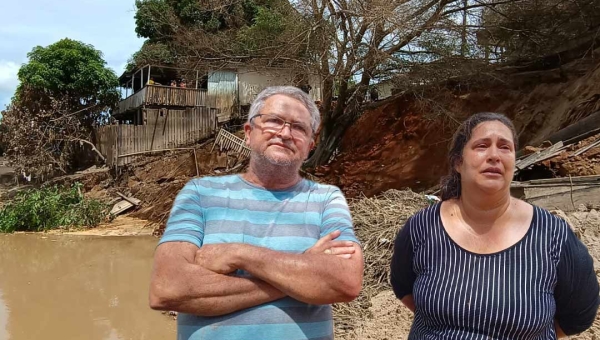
{"x":132,"y":102}
{"x":175,"y":96}
{"x":227,"y":141}
{"x":165,"y":96}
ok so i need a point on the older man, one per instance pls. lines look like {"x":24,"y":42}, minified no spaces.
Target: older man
{"x":260,"y":255}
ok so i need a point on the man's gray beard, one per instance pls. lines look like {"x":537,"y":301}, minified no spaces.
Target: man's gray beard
{"x":263,"y":158}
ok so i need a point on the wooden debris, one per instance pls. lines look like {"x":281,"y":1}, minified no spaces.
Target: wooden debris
{"x":565,"y":193}
{"x":121,"y":207}
{"x":539,"y":156}
{"x":131,"y":200}
{"x":581,"y":151}
{"x":227,"y":141}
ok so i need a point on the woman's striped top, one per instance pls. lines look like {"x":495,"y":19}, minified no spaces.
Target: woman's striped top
{"x":516,"y":293}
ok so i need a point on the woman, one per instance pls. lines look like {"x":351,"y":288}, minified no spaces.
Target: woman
{"x":484,"y":265}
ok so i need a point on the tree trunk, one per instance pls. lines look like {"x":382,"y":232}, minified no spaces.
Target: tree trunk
{"x":331,"y":135}
{"x":463,"y":45}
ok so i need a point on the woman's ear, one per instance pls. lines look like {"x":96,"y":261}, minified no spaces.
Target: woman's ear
{"x":457,"y":165}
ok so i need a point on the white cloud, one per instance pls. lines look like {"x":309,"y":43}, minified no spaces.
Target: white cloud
{"x":8,"y":76}
{"x":44,"y":22}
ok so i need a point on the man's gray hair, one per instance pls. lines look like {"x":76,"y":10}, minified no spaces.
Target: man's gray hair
{"x":292,"y":92}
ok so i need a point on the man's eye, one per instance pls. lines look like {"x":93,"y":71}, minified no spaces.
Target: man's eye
{"x":273,"y":120}
{"x":300,"y":128}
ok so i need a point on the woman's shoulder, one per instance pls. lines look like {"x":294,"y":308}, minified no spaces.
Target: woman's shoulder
{"x":424,"y":218}
{"x":550,"y":228}
{"x":549,"y":219}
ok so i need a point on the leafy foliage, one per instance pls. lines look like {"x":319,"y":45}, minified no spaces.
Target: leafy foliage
{"x":51,"y":208}
{"x":215,"y":30}
{"x":65,"y":91}
{"x":152,"y":53}
{"x":72,"y":68}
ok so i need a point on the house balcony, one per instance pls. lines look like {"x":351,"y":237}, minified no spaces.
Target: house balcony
{"x":163,"y":96}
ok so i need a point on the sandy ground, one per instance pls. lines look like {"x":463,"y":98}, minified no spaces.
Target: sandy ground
{"x":391,"y":320}
{"x":120,"y":226}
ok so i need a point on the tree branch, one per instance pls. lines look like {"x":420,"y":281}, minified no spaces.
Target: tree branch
{"x":460,"y":9}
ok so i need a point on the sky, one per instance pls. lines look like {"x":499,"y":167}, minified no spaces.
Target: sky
{"x":108,"y":25}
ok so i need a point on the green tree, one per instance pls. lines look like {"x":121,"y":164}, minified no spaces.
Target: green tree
{"x":189,"y":33}
{"x":74,"y":69}
{"x":65,"y":91}
{"x":350,"y":44}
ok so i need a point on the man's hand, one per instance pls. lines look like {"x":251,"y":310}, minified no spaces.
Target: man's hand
{"x":218,"y":258}
{"x":327,"y":245}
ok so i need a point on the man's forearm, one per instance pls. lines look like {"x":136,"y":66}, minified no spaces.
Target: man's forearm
{"x":190,"y":288}
{"x":311,"y":278}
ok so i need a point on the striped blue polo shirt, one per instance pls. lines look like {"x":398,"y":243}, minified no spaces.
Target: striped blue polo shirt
{"x":213,"y":210}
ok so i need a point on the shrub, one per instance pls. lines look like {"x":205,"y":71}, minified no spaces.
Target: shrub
{"x":50,"y":208}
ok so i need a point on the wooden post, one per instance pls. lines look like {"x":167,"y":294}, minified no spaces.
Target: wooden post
{"x":149,"y":71}
{"x":133,"y":82}
{"x":196,"y":79}
{"x":142,"y":77}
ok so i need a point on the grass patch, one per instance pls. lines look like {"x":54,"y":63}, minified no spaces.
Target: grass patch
{"x":51,"y":208}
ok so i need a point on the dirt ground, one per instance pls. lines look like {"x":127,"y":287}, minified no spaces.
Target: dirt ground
{"x":391,"y":320}
{"x":120,"y":226}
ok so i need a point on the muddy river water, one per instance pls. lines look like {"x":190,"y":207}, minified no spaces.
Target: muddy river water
{"x":76,"y":287}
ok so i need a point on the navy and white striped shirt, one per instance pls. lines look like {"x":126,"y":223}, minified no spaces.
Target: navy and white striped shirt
{"x":516,"y":293}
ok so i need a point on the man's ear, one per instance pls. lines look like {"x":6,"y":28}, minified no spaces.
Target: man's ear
{"x":247,"y":130}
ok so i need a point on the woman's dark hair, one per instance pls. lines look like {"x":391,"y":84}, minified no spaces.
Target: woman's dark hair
{"x":450,"y":185}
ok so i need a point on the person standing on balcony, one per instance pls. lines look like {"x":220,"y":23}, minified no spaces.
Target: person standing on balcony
{"x":264,"y":254}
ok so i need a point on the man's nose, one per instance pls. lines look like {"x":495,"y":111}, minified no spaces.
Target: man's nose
{"x":286,"y":131}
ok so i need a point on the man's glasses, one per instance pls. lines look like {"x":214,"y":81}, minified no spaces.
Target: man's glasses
{"x":274,"y":124}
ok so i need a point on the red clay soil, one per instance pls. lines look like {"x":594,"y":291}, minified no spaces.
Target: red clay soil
{"x":396,"y":146}
{"x":586,"y":164}
{"x":399,"y":149}
{"x":404,"y":142}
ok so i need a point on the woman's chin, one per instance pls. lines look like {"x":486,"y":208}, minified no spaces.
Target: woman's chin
{"x":493,"y":187}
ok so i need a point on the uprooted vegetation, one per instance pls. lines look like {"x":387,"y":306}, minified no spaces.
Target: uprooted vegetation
{"x":377,"y":220}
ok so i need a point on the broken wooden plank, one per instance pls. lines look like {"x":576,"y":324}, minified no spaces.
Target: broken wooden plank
{"x":580,"y":151}
{"x":539,"y":156}
{"x":568,"y":200}
{"x":555,"y":185}
{"x":578,"y":179}
{"x":131,"y":200}
{"x":121,"y":207}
